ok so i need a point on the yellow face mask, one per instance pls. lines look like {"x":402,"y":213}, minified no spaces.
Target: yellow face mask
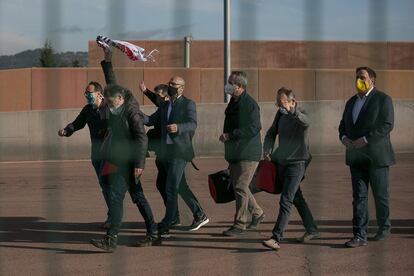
{"x":362,"y":86}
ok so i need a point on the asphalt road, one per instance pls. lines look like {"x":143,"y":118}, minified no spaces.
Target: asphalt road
{"x":50,"y":210}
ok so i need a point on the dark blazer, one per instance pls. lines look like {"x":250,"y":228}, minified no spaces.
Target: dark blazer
{"x":375,"y":122}
{"x":183,"y":114}
{"x":242,"y":123}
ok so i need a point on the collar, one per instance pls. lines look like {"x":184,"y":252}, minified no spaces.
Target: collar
{"x":366,"y":94}
{"x":172,"y":102}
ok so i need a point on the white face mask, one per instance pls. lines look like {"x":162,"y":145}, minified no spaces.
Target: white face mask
{"x":229,"y":89}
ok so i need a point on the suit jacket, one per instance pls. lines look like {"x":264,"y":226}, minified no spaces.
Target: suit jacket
{"x":375,"y":122}
{"x":183,"y":114}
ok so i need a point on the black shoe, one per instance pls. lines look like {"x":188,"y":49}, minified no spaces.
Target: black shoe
{"x":234,"y":231}
{"x":198,"y":223}
{"x":308,"y":237}
{"x":355,"y":242}
{"x":382,"y":235}
{"x":255,"y":222}
{"x":176,"y":222}
{"x":108,"y":243}
{"x":165,"y":234}
{"x":150,"y":240}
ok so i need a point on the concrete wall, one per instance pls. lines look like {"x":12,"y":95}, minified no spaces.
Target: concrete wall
{"x":62,"y":88}
{"x":271,"y":54}
{"x":32,"y":135}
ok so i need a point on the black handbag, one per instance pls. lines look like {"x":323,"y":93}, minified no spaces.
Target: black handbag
{"x":221,"y":189}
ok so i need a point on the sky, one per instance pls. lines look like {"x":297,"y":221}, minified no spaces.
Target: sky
{"x":69,"y":24}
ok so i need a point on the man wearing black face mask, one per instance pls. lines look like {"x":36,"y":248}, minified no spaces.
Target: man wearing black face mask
{"x":157,"y":97}
{"x":178,"y":121}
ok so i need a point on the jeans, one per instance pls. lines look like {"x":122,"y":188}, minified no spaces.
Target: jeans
{"x":97,"y":164}
{"x":120,"y":183}
{"x":362,"y":176}
{"x":291,"y":175}
{"x":241,"y":174}
{"x":160,"y":182}
{"x":172,"y":170}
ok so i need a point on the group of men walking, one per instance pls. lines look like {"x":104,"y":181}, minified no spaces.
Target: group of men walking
{"x":120,"y":144}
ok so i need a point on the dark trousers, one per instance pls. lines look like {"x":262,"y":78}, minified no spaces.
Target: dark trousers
{"x":291,"y":175}
{"x":160,"y":182}
{"x":120,"y":183}
{"x":171,"y":172}
{"x":362,"y":176}
{"x":96,"y":163}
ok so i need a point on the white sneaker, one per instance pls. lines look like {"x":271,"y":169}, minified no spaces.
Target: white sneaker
{"x":272,"y":244}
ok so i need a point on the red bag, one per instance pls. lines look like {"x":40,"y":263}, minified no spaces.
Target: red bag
{"x":266,"y":177}
{"x":108,"y":168}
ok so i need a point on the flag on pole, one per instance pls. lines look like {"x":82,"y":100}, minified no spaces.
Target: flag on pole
{"x":133,"y":52}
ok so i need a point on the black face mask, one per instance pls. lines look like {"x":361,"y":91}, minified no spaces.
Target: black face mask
{"x":172,"y":91}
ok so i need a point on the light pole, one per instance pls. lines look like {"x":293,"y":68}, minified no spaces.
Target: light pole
{"x":227,"y":53}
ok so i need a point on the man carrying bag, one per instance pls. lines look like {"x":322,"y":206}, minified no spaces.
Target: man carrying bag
{"x":292,"y":156}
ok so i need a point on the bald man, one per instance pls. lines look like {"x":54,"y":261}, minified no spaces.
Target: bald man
{"x":178,"y":121}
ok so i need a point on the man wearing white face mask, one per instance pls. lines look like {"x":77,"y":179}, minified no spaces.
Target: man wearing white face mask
{"x":243,"y":151}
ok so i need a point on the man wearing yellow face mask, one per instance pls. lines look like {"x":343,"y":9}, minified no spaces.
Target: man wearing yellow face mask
{"x":364,"y":130}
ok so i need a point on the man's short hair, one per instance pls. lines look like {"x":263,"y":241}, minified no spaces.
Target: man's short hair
{"x":287,"y":92}
{"x":370,"y":71}
{"x":240,"y":78}
{"x":161,"y":88}
{"x":112,"y":90}
{"x":97,"y":86}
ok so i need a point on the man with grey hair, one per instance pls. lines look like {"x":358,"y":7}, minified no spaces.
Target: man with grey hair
{"x":243,"y":151}
{"x":291,"y":124}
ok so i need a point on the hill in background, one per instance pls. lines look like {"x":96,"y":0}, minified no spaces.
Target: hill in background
{"x":30,"y":58}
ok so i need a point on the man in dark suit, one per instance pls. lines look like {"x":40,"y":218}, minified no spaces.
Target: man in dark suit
{"x":365,"y":129}
{"x":178,"y":121}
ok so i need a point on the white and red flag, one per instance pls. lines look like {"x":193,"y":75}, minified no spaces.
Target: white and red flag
{"x":133,"y":52}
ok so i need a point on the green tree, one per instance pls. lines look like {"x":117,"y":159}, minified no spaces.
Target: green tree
{"x":47,"y":55}
{"x":76,"y":63}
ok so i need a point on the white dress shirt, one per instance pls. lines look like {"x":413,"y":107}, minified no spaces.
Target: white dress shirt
{"x":169,"y":141}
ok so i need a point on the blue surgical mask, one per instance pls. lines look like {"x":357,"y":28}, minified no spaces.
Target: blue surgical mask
{"x":90,"y":98}
{"x":283,"y":110}
{"x":229,"y":89}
